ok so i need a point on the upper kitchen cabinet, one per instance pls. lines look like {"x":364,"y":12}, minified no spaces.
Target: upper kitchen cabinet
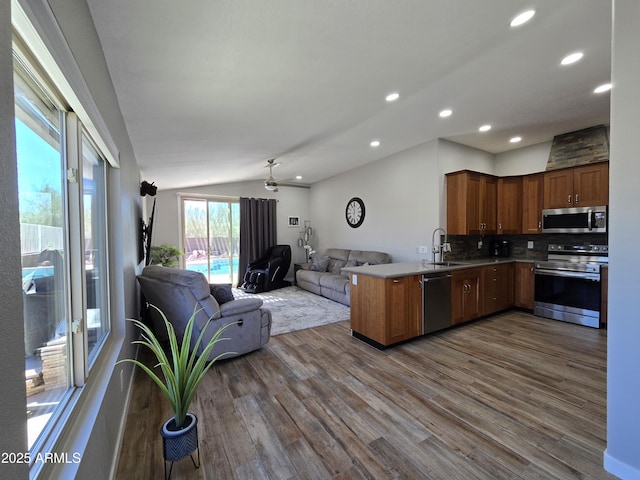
{"x":532,"y":202}
{"x":583,"y":186}
{"x":509,"y":205}
{"x":471,"y":203}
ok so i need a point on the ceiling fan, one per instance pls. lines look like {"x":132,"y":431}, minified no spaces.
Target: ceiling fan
{"x":270,"y":183}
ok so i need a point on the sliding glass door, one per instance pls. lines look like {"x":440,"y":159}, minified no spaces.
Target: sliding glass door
{"x":211,"y":237}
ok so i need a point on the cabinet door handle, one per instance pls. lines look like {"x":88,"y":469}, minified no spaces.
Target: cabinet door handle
{"x":577,"y":199}
{"x":539,"y":225}
{"x":569,"y":199}
{"x":396,"y":280}
{"x":500,"y":226}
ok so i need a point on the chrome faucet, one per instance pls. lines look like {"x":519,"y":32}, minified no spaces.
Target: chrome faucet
{"x":440,"y":248}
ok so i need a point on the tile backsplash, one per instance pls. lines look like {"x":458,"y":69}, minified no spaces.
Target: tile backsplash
{"x":465,"y":247}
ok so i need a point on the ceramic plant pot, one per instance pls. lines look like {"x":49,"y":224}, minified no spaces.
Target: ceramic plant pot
{"x":177,"y":444}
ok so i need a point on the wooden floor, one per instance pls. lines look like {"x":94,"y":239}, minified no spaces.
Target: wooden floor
{"x":509,"y":397}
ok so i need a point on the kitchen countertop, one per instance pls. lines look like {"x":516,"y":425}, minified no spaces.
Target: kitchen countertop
{"x":404,"y":269}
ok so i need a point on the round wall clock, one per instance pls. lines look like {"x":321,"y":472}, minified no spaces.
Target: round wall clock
{"x":354,"y":212}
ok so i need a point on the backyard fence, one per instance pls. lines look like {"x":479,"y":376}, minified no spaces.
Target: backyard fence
{"x":35,"y":238}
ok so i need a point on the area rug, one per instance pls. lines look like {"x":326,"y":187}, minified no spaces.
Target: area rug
{"x":293,"y":308}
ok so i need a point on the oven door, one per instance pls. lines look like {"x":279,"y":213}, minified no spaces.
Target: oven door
{"x":569,"y":296}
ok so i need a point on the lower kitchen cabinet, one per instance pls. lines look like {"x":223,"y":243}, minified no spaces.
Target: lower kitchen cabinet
{"x":465,"y":295}
{"x":497,"y":288}
{"x":524,"y":285}
{"x":386,"y":310}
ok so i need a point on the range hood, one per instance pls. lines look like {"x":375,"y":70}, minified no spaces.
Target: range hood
{"x":589,"y":145}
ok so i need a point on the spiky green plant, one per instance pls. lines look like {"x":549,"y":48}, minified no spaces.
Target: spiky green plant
{"x":182,"y":370}
{"x":165,"y":255}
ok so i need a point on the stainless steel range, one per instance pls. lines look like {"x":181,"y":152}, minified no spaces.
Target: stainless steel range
{"x":567,"y":285}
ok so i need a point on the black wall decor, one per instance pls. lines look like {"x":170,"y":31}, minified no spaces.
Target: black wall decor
{"x":147,"y":188}
{"x":146,"y":229}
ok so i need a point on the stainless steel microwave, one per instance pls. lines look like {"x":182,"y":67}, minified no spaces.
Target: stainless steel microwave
{"x":575,"y":220}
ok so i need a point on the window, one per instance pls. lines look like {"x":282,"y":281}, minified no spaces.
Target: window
{"x":95,"y":247}
{"x":63,"y":231}
{"x":211,"y":237}
{"x":43,"y":237}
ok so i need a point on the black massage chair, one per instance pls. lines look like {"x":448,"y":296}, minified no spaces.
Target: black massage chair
{"x":268,"y":272}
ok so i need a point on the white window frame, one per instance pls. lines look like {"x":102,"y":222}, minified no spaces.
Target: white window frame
{"x":80,"y":364}
{"x":90,"y":357}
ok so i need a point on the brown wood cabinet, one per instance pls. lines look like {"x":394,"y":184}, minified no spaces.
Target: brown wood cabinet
{"x":497,"y":288}
{"x":471,"y":203}
{"x":582,"y":186}
{"x":532,"y":202}
{"x":524,"y":284}
{"x":509,"y":205}
{"x":465,"y":295}
{"x":386,"y":310}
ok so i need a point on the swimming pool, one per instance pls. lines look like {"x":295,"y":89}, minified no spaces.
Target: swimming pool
{"x":37,"y":272}
{"x":219,"y":266}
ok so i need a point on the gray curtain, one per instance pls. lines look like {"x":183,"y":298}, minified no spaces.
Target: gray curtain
{"x":258,"y":230}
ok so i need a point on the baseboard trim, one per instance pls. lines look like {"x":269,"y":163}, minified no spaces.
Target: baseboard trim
{"x":123,"y":420}
{"x":619,"y":468}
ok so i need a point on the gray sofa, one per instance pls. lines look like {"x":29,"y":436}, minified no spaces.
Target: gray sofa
{"x":325,"y":276}
{"x":177,"y":292}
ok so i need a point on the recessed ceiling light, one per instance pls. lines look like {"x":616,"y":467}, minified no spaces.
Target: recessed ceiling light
{"x":392,"y":97}
{"x":603,"y":88}
{"x":446,"y":113}
{"x":375,"y":143}
{"x":298,"y":177}
{"x":515,"y":139}
{"x":524,"y":17}
{"x":572,"y":58}
{"x":485,"y":128}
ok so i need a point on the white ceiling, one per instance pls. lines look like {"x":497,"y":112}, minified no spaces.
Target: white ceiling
{"x":210,"y":89}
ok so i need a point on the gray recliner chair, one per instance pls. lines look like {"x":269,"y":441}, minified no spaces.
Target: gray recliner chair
{"x":177,"y":292}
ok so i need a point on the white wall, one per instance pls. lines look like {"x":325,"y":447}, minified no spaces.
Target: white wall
{"x":522,"y":161}
{"x":399,"y":193}
{"x":622,"y":456}
{"x":403,"y":195}
{"x":454,"y":156}
{"x":12,"y":392}
{"x":292,"y":201}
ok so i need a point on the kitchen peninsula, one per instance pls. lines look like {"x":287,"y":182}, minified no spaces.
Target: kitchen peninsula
{"x":387,"y":300}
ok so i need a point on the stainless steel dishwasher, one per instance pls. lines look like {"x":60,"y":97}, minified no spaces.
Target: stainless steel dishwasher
{"x":436,"y":302}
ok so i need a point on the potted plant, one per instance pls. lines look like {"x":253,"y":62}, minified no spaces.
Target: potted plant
{"x":181,"y":370}
{"x":165,"y":255}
